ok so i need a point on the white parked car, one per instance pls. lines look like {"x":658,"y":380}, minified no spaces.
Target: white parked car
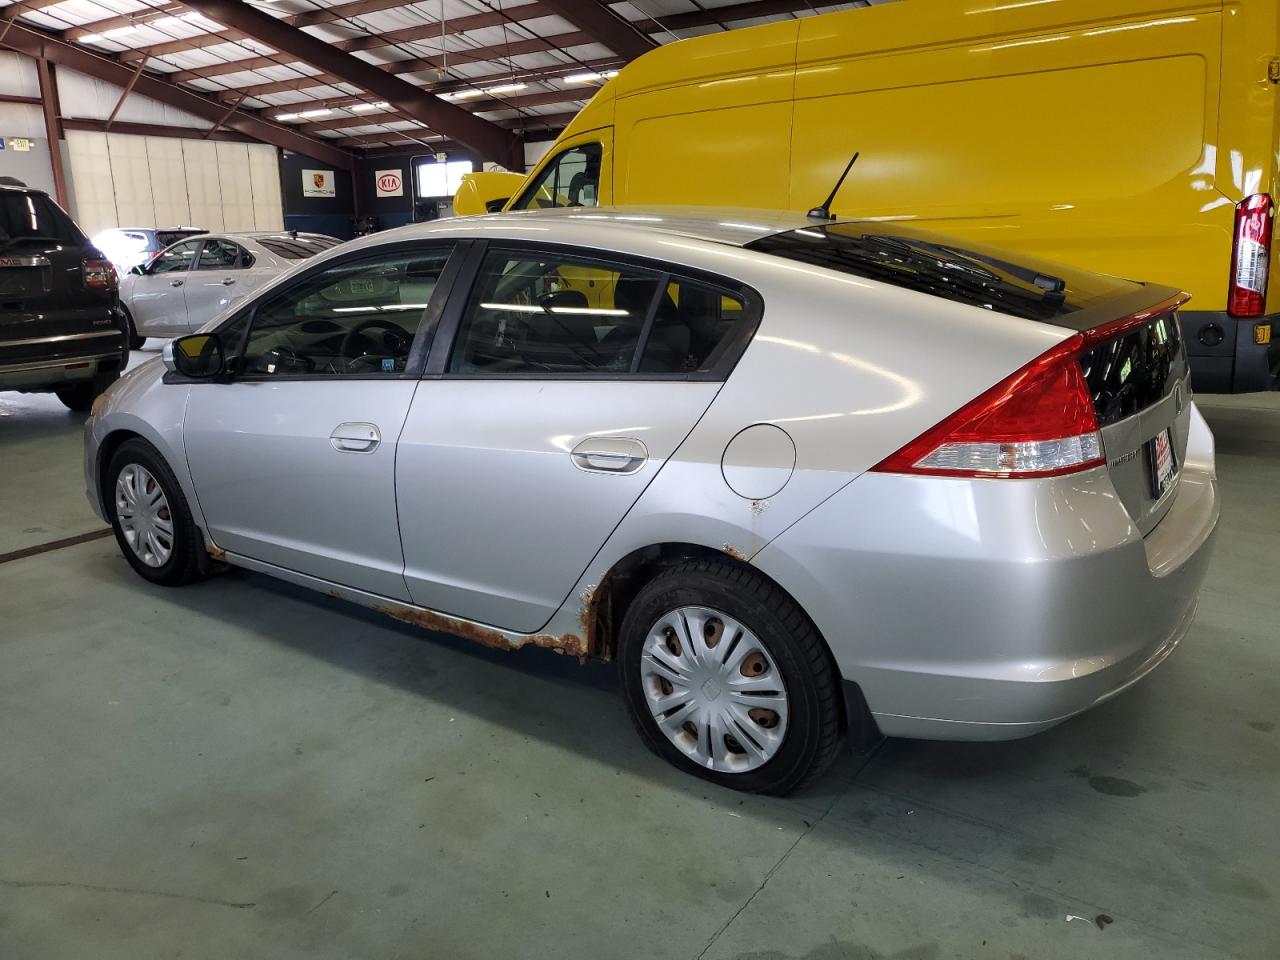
{"x":189,"y":283}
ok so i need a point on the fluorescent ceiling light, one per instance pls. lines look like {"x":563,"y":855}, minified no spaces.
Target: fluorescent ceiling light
{"x":111,"y":34}
{"x":486,"y":92}
{"x":590,"y":77}
{"x":365,"y":107}
{"x":286,"y":116}
{"x":323,"y":112}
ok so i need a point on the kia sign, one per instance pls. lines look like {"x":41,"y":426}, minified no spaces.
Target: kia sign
{"x":389,"y":183}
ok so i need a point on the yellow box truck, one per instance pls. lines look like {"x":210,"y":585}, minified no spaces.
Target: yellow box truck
{"x":1134,"y":137}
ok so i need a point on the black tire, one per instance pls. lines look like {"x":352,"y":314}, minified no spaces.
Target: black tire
{"x":135,"y":342}
{"x":815,"y":726}
{"x":80,"y":396}
{"x":182,"y":566}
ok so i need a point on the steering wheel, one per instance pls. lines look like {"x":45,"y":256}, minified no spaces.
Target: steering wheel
{"x":395,"y":338}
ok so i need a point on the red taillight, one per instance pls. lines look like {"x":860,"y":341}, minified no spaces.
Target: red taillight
{"x":98,"y":274}
{"x":1250,"y":257}
{"x":1039,"y":422}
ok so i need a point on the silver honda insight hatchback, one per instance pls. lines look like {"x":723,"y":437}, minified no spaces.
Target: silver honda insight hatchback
{"x":801,"y":479}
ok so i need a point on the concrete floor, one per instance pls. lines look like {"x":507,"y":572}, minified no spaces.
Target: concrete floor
{"x":243,"y":769}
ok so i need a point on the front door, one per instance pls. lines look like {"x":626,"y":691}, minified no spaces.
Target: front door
{"x":540,"y":427}
{"x":293,"y":460}
{"x":158,"y":298}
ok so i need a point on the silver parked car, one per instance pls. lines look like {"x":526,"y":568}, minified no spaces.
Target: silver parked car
{"x":189,"y":283}
{"x":799,"y":478}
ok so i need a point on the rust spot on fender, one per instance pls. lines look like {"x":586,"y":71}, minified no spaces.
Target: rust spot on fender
{"x":569,"y":643}
{"x":733,"y":551}
{"x":217,"y":553}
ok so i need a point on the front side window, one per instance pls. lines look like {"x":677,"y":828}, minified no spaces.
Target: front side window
{"x":220,"y":255}
{"x":178,"y":257}
{"x":353,"y":318}
{"x":572,"y":179}
{"x":535,"y":313}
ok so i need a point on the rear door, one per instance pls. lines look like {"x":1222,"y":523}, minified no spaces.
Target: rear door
{"x":158,"y":299}
{"x":217,"y":279}
{"x":544,"y":418}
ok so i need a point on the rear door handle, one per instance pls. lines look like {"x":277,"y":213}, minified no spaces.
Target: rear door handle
{"x":228,"y":281}
{"x":355,"y":437}
{"x":175,"y":283}
{"x":610,"y":455}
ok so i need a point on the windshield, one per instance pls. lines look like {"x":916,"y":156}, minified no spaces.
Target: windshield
{"x":33,"y":216}
{"x":952,"y":270}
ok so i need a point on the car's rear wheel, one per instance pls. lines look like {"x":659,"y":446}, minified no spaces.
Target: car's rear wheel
{"x":726,"y":678}
{"x":80,"y":396}
{"x":150,"y":515}
{"x":135,"y":342}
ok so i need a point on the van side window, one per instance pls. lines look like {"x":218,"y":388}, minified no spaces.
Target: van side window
{"x":570,"y":180}
{"x":551,"y":314}
{"x":693,"y":325}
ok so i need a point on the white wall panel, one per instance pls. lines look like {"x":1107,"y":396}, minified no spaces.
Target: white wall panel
{"x":131,"y":177}
{"x":264,"y":173}
{"x":168,"y":181}
{"x":236,"y":185}
{"x":84,"y":97}
{"x":95,"y":198}
{"x":18,"y":78}
{"x":203,"y":188}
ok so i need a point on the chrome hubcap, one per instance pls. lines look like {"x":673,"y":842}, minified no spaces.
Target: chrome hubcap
{"x":142,"y":510}
{"x":714,"y":690}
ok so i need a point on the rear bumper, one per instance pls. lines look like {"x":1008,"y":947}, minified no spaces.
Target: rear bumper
{"x":47,"y":363}
{"x":1224,"y":356}
{"x":990,"y":610}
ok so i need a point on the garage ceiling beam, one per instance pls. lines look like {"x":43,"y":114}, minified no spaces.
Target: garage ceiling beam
{"x":542,"y":73}
{"x":480,"y":104}
{"x":616,"y":32}
{"x":488,"y":141}
{"x":38,"y":43}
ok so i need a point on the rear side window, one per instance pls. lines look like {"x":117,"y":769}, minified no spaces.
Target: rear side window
{"x":532,"y":314}
{"x":570,"y":180}
{"x":536,"y":314}
{"x":940,"y":267}
{"x":33,"y":216}
{"x":297,"y":248}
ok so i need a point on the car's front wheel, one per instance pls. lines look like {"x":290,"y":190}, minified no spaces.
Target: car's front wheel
{"x":150,"y":515}
{"x":726,"y":677}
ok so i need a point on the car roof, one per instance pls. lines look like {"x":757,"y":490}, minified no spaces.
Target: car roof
{"x":734,"y":226}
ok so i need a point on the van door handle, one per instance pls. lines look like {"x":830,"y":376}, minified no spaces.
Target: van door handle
{"x":610,"y":455}
{"x":356,"y":437}
{"x":175,"y":283}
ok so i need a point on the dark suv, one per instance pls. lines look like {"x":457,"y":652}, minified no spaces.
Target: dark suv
{"x":61,"y":326}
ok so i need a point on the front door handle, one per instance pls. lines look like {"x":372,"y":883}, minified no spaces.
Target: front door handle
{"x":175,"y":283}
{"x":355,"y":437}
{"x":228,"y":281}
{"x":610,"y":455}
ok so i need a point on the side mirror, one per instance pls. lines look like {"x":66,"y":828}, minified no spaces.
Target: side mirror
{"x":478,"y":190}
{"x":138,"y":270}
{"x":198,"y":356}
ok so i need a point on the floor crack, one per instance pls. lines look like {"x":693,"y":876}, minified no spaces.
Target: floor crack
{"x":133,"y":891}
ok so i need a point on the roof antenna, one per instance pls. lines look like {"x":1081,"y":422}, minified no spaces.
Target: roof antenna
{"x":824,"y":212}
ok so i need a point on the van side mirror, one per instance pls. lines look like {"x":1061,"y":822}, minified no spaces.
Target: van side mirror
{"x":198,"y":356}
{"x":478,"y":193}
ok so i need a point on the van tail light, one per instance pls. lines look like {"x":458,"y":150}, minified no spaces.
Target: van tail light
{"x":1039,"y":422}
{"x":1250,"y":257}
{"x":98,"y":274}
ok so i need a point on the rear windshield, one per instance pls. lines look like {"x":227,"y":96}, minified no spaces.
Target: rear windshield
{"x":33,"y":216}
{"x":940,"y":267}
{"x":166,"y":237}
{"x":297,"y":248}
